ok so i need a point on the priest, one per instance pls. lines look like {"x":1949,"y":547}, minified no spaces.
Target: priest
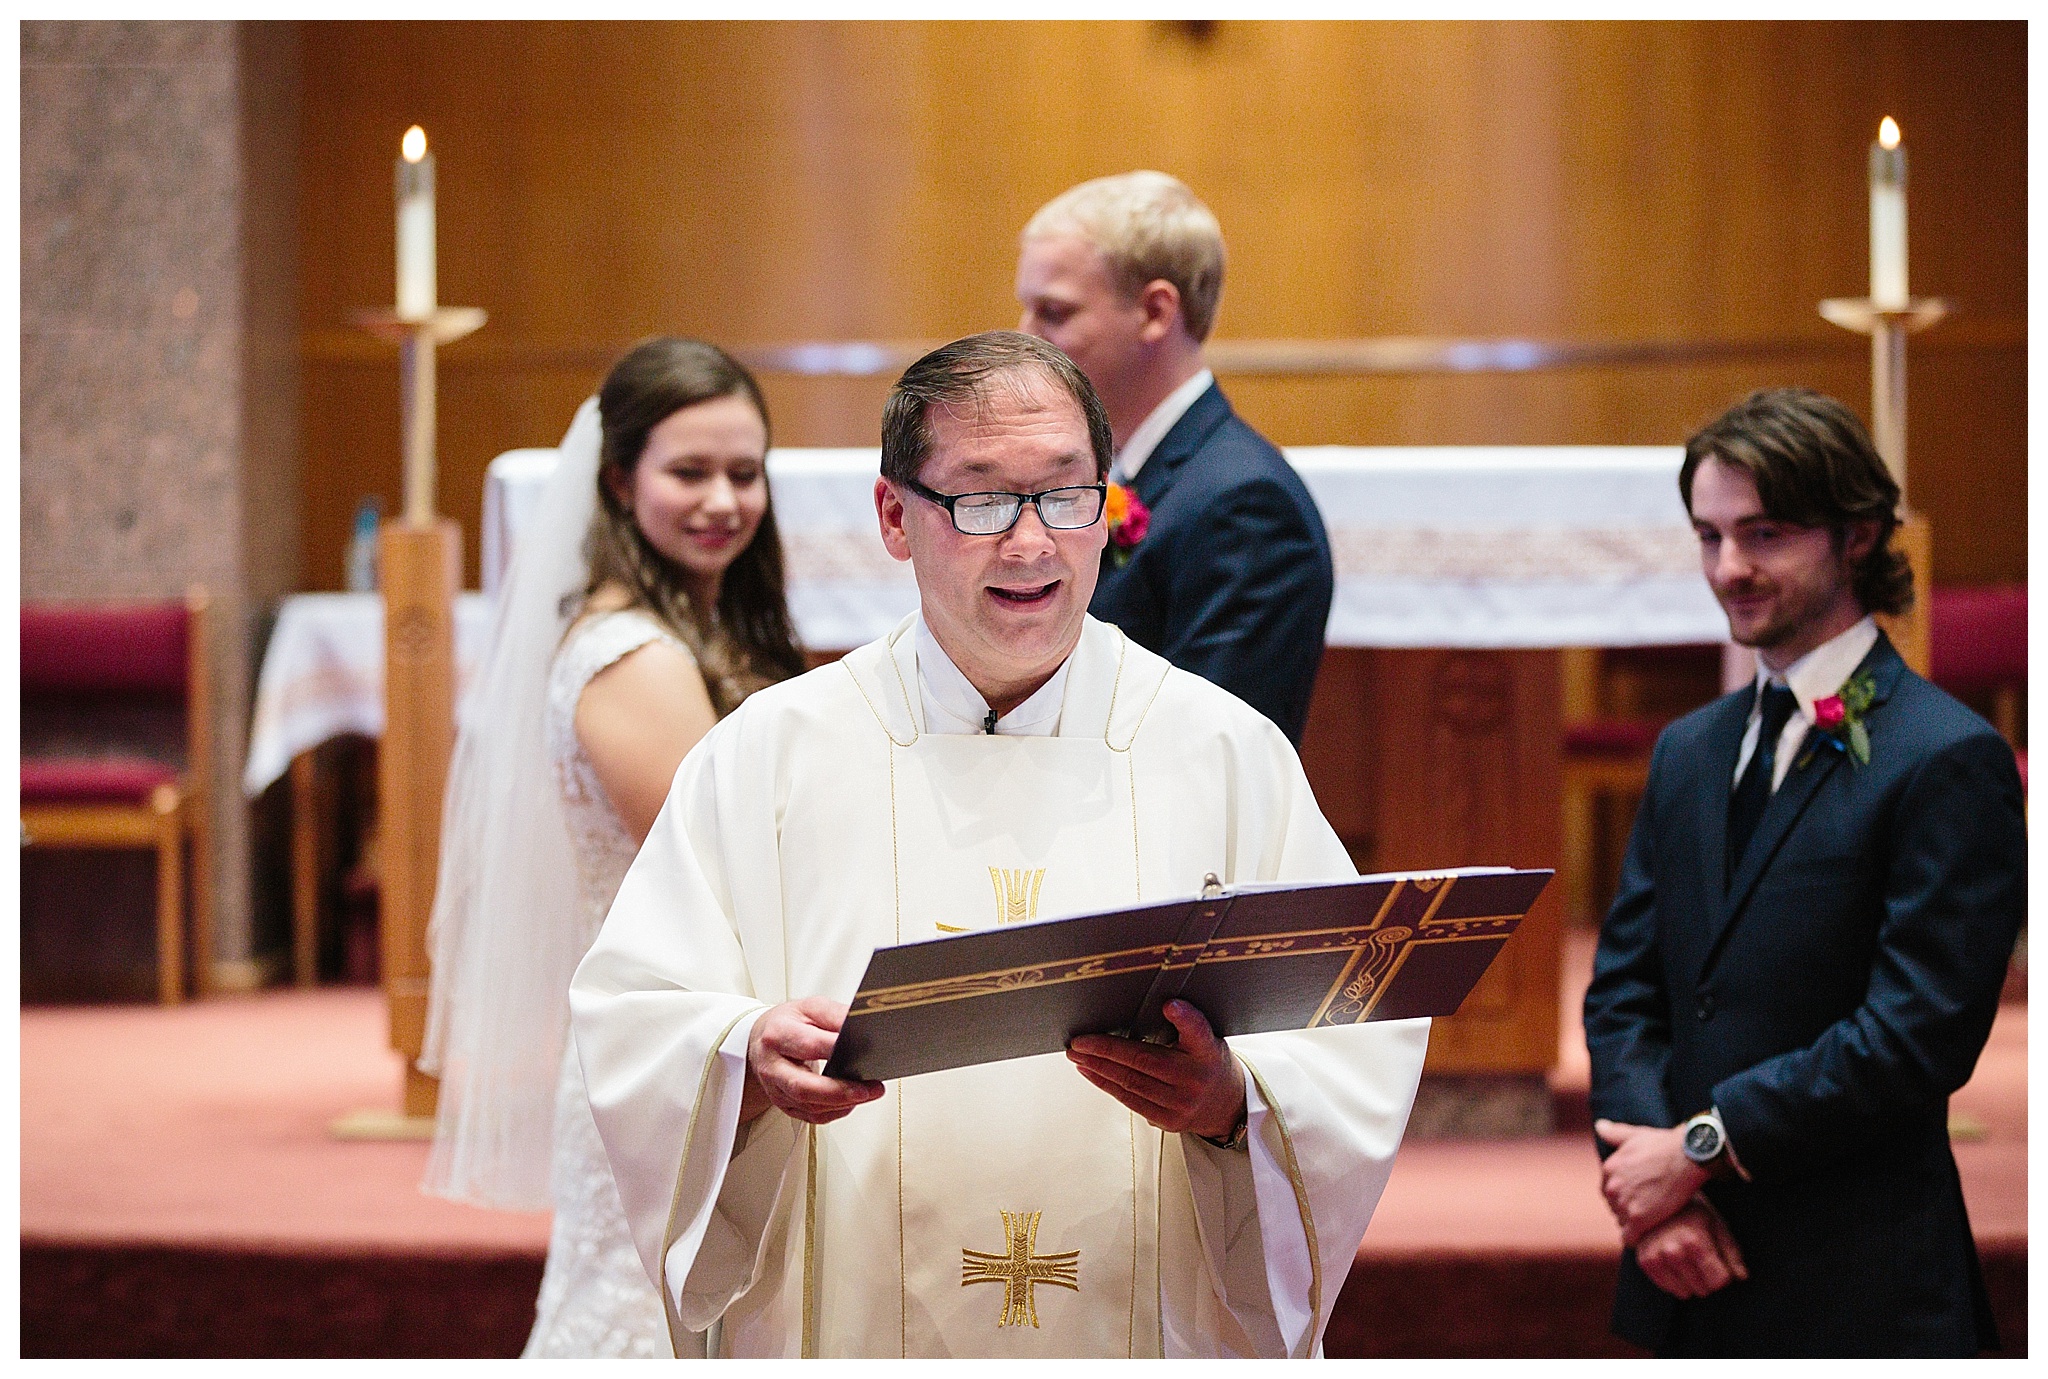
{"x":999,"y":757}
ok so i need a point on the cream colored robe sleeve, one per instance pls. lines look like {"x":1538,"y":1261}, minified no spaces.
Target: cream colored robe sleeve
{"x":662,"y":1006}
{"x":1326,"y":1112}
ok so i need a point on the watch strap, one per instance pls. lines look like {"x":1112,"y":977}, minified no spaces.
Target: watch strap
{"x":1236,"y":1138}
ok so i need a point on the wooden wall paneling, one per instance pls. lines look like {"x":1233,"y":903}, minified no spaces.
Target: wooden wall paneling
{"x":763,"y":182}
{"x":1966,"y":451}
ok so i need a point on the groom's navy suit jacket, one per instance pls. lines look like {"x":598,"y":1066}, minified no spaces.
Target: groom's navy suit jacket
{"x":1233,"y":579}
{"x":1827,"y":999}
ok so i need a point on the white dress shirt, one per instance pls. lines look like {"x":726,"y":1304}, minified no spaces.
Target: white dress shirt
{"x":1816,"y":675}
{"x":952,"y":704}
{"x":1153,"y":428}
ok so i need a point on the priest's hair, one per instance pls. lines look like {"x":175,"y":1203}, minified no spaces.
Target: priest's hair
{"x":1147,"y":226}
{"x":747,"y":641}
{"x":1813,"y":466}
{"x":961,"y":376}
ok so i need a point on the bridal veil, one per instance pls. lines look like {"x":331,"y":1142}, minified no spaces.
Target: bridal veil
{"x":503,"y":935}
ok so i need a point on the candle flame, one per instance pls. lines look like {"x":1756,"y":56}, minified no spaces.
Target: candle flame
{"x":414,"y":144}
{"x":1888,"y":133}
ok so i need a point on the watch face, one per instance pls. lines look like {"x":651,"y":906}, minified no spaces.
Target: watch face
{"x":1702,"y":1142}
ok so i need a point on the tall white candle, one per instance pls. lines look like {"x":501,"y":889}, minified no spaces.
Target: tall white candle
{"x":415,"y":226}
{"x":1888,"y":218}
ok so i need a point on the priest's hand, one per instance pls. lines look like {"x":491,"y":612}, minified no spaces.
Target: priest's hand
{"x":1647,"y":1178}
{"x":1692,"y":1253}
{"x":786,"y":1040}
{"x":1191,"y":1087}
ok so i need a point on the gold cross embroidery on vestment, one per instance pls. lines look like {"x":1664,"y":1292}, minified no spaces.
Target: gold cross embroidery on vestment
{"x":1019,"y":1269}
{"x":1016,"y":893}
{"x":1016,"y":896}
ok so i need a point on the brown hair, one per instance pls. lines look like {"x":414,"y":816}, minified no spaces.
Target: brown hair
{"x":747,"y":641}
{"x":1813,"y":466}
{"x":961,"y":375}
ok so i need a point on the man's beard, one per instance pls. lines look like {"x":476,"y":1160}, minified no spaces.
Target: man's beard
{"x":1791,"y":611}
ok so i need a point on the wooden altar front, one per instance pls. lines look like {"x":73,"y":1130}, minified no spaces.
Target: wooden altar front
{"x":1453,"y":756}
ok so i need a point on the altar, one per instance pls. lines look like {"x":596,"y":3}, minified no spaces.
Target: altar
{"x":1435,"y":735}
{"x":1467,"y":546}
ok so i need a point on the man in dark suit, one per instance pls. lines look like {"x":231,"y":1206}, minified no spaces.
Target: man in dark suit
{"x":1803,"y":961}
{"x":1231,"y":578}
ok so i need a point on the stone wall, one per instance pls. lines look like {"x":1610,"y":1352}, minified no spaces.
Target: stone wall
{"x":159,"y":376}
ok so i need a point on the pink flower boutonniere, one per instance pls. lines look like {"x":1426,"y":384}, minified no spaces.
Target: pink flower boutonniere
{"x":1839,"y":717}
{"x":1128,"y":520}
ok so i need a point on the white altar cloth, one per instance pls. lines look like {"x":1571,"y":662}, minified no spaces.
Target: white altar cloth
{"x":1435,"y":546}
{"x":1509,"y":546}
{"x":323,"y":675}
{"x":1470,"y":546}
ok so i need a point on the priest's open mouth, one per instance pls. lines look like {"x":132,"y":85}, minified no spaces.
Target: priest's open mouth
{"x":1037,"y":593}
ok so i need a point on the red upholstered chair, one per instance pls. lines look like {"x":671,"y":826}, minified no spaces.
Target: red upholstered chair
{"x":1616,"y":702}
{"x":1977,"y":646}
{"x":116,"y":737}
{"x":1603,"y":758}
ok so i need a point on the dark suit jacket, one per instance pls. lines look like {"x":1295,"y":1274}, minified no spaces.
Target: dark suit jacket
{"x":1828,"y":1000}
{"x":1233,"y":579}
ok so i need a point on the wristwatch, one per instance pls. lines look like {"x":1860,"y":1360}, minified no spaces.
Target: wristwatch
{"x":1705,"y":1139}
{"x":1235,"y":1139}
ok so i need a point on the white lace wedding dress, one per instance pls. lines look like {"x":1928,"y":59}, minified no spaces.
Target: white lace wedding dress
{"x":595,"y":1299}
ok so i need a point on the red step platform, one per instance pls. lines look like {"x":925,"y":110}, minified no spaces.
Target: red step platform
{"x":181,"y":1196}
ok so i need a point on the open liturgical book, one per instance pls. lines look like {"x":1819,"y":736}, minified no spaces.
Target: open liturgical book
{"x":1250,"y":958}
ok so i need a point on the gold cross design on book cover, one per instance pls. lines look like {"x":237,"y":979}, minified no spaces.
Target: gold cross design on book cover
{"x":1251,"y":959}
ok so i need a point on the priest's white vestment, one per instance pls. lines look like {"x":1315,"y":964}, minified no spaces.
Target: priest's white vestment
{"x":1005,"y":1210}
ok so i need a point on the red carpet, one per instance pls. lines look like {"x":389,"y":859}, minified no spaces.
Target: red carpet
{"x":181,"y":1196}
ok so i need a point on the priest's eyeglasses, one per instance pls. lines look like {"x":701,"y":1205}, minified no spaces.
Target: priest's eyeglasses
{"x":992,"y":514}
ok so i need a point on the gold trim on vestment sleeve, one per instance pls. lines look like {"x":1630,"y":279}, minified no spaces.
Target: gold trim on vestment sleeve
{"x":809,"y":1346}
{"x":902,"y":1242}
{"x":1159,"y":1237}
{"x":1131,"y":1330}
{"x":675,"y":1201}
{"x":1301,"y":1203}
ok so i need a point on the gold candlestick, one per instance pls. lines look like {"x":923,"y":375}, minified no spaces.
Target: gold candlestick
{"x":420,"y":560}
{"x":1887,"y":328}
{"x":417,"y":338}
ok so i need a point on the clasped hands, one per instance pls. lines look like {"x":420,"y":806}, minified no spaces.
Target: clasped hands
{"x":1680,"y":1241}
{"x":1192,"y":1086}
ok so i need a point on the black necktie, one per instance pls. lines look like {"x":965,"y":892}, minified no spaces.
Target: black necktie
{"x":1753,"y":791}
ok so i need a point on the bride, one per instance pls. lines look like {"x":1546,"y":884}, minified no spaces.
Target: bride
{"x":645,"y":600}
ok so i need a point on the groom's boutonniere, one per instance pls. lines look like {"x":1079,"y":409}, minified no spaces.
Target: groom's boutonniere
{"x":1840,"y":719}
{"x":1128,"y":520}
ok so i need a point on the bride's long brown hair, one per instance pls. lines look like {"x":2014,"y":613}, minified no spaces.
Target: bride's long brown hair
{"x":747,"y":641}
